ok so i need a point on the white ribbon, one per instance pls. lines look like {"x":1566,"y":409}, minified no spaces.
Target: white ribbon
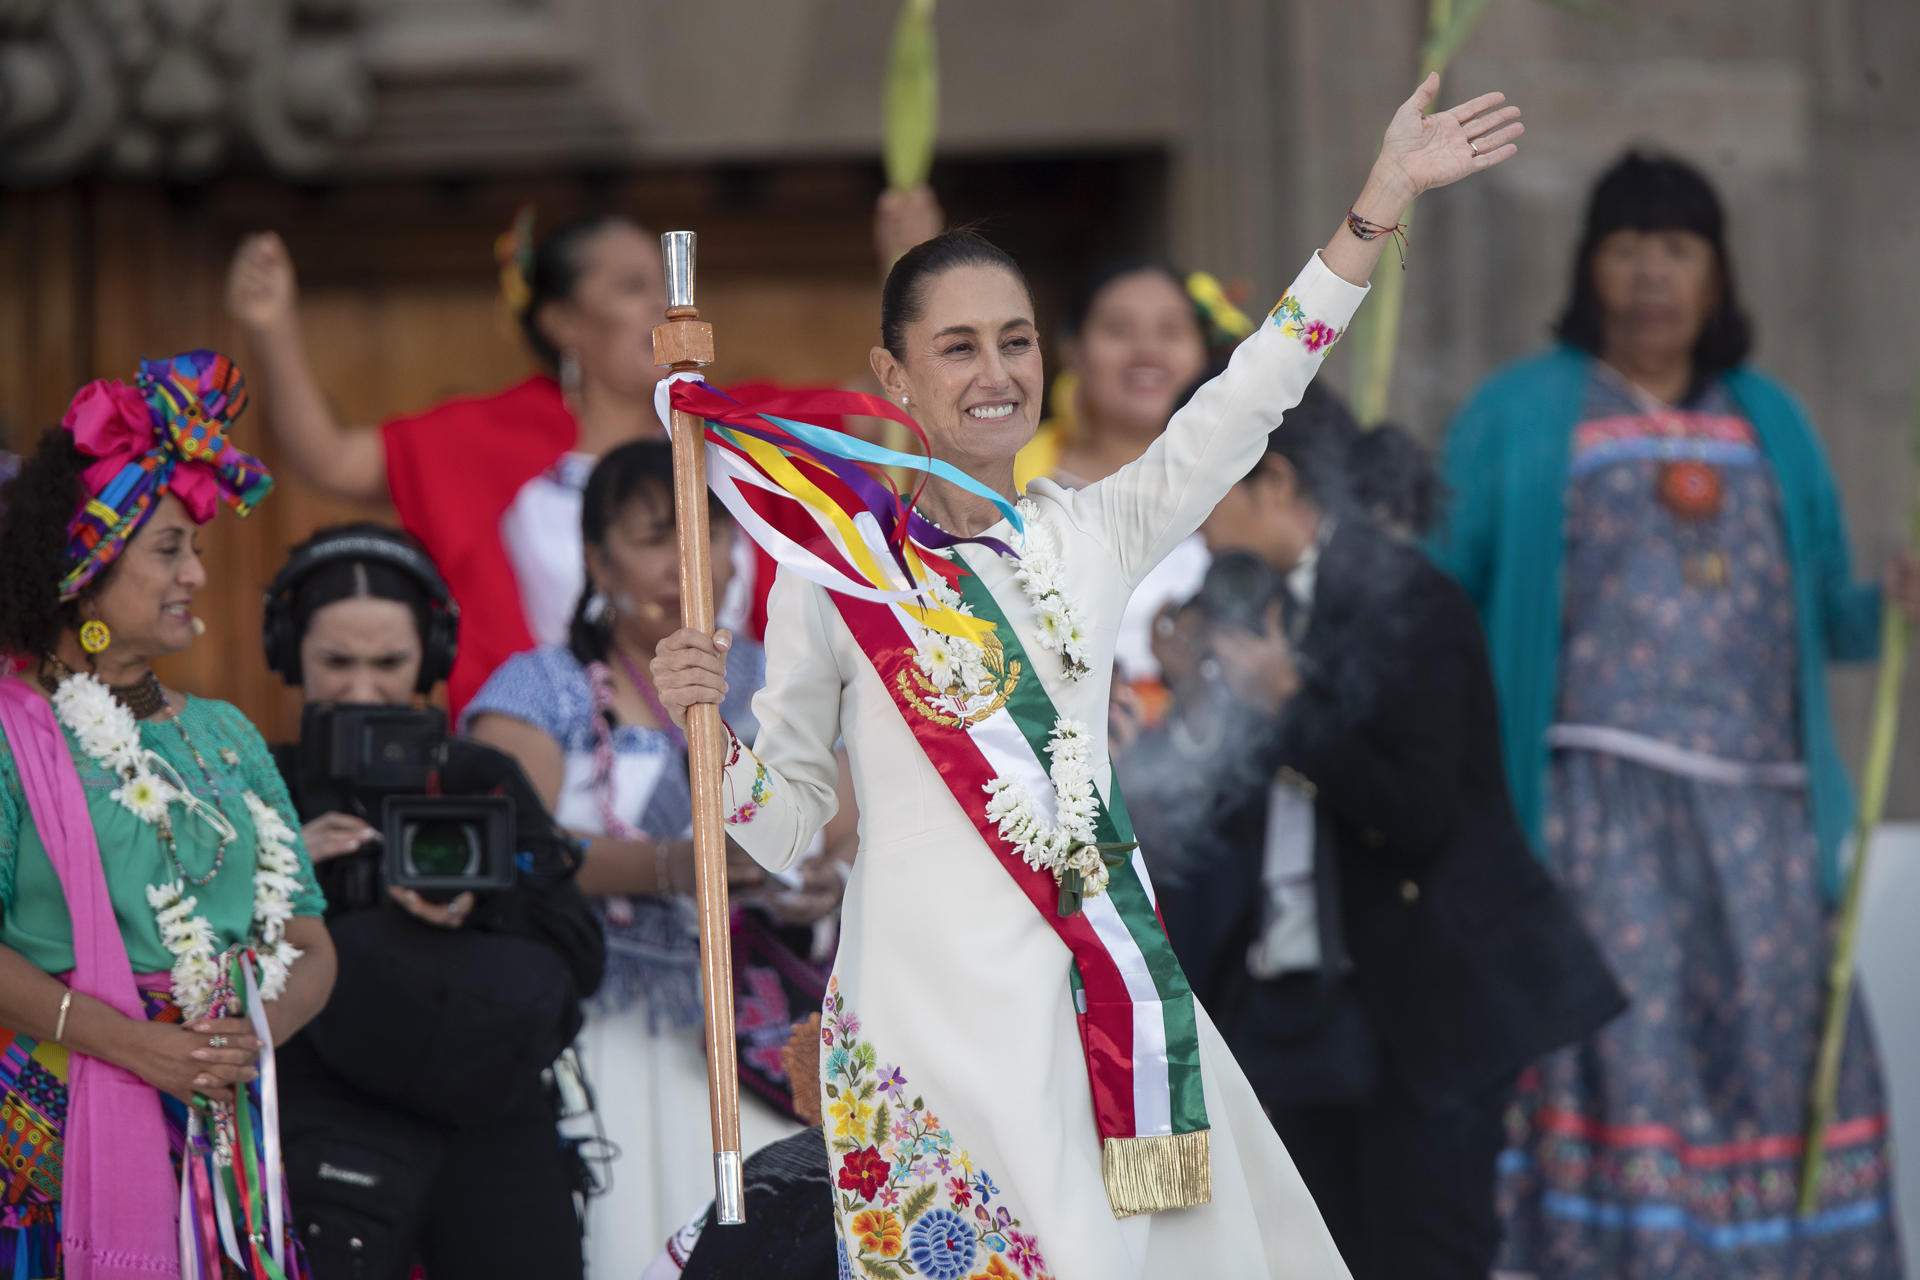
{"x":271,"y":1169}
{"x":726,"y":471}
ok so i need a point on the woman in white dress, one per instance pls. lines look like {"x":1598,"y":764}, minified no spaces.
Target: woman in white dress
{"x":1011,"y":1088}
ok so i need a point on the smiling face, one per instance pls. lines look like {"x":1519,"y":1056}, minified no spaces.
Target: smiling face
{"x":607,"y":322}
{"x":1137,"y":352}
{"x":147,"y":601}
{"x":1657,"y":290}
{"x":970,"y":367}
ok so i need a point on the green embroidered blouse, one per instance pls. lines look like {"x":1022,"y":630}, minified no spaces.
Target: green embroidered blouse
{"x":33,"y":910}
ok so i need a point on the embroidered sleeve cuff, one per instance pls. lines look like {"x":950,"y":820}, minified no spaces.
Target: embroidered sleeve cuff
{"x":1317,"y":307}
{"x":746,"y":783}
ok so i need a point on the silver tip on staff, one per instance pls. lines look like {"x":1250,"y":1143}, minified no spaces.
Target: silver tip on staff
{"x":729,"y":1193}
{"x":677,"y":248}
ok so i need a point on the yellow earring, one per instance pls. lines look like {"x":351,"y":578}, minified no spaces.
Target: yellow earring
{"x":94,"y":636}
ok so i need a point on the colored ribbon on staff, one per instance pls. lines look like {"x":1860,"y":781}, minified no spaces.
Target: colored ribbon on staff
{"x":819,"y":502}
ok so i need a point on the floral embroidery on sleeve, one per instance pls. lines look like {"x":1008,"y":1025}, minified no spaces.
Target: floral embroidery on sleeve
{"x":910,"y":1202}
{"x":1315,"y":335}
{"x":758,"y":793}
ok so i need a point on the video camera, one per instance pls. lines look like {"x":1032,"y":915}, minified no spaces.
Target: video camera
{"x":445,"y":807}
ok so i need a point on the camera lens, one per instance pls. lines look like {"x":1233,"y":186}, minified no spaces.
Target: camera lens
{"x":442,"y":847}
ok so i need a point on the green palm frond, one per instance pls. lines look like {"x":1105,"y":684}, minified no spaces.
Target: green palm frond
{"x":912,"y":114}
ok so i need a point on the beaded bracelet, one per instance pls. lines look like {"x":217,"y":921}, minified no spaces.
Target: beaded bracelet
{"x":1366,"y":230}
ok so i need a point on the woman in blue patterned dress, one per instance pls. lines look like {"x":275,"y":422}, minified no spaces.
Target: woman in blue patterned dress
{"x":586,"y":725}
{"x":1656,"y":545}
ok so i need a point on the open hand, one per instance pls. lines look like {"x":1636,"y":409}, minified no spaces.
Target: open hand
{"x":1422,"y":152}
{"x":334,"y":835}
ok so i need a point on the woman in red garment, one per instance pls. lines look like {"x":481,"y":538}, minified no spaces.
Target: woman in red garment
{"x":491,"y":484}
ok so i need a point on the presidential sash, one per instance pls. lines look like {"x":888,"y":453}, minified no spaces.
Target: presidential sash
{"x":1135,"y":1010}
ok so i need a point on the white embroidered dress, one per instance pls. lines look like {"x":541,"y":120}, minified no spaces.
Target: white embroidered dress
{"x":951,"y":995}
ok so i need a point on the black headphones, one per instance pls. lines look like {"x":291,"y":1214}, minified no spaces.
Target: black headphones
{"x":360,"y":542}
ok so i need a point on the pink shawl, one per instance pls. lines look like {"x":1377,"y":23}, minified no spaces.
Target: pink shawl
{"x":118,"y":1196}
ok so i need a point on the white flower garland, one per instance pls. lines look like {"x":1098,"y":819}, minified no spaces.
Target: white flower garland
{"x":959,"y":667}
{"x":1068,"y":842}
{"x":109,"y":735}
{"x":1041,"y":574}
{"x":961,"y":670}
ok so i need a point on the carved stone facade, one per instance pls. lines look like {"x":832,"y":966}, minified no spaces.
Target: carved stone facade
{"x":175,"y":87}
{"x":183,"y":89}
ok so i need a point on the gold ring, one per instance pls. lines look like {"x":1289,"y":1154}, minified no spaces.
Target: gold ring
{"x":1473,"y":146}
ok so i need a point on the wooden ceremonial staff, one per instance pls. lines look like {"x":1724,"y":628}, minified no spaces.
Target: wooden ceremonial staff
{"x":683,"y":344}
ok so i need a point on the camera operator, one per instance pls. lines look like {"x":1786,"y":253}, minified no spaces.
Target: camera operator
{"x":422,"y":1116}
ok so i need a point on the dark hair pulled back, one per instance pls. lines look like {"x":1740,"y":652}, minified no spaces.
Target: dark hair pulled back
{"x":553,"y":273}
{"x":633,"y":471}
{"x":904,"y":298}
{"x":358,"y":578}
{"x":1087,"y":295}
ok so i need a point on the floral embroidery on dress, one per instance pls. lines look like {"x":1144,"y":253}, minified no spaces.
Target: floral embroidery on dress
{"x":910,"y":1202}
{"x":1315,"y":335}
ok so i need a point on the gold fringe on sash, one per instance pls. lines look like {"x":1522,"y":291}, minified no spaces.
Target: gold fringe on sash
{"x":1161,"y":1171}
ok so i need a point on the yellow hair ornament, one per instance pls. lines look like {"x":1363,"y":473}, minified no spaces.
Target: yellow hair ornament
{"x":513,"y":251}
{"x":1212,"y":299}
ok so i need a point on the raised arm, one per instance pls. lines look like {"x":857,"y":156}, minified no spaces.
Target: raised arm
{"x":263,"y":298}
{"x":1149,"y":506}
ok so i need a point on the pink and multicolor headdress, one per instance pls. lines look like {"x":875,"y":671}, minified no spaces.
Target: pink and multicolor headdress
{"x":165,"y":434}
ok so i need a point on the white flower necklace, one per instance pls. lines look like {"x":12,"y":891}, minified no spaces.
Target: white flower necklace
{"x":1063,"y":629}
{"x":961,"y":666}
{"x":109,"y":735}
{"x":1067,"y":846}
{"x":965,"y":671}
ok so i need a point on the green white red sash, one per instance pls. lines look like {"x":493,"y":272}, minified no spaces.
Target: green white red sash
{"x":1136,"y":1012}
{"x":808,"y":496}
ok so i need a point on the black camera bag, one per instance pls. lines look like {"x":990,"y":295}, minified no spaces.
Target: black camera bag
{"x":358,"y":1178}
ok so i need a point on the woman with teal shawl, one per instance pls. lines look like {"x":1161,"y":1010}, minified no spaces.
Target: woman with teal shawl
{"x":1655,"y":543}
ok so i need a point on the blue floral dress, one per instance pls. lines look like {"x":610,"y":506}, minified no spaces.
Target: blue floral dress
{"x":1678,"y":819}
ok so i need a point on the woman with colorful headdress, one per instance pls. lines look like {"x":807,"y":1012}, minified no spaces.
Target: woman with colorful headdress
{"x":159,"y":921}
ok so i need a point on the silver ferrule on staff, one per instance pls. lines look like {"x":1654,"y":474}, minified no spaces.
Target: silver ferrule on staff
{"x":677,"y":248}
{"x":729,"y":1189}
